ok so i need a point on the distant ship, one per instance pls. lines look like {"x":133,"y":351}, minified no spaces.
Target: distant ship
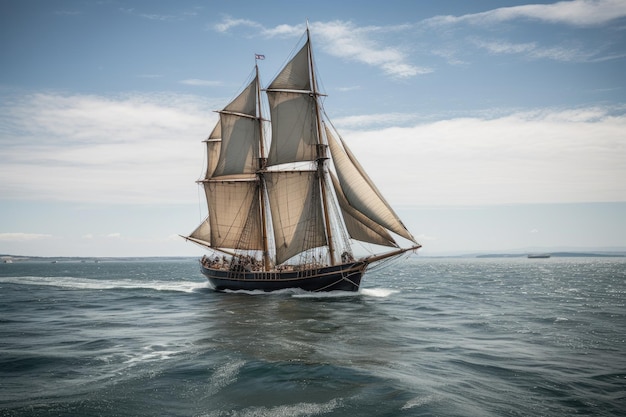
{"x":538,"y":255}
{"x":281,"y":215}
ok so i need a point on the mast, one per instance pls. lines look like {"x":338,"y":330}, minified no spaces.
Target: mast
{"x":321,"y":153}
{"x":262,"y":164}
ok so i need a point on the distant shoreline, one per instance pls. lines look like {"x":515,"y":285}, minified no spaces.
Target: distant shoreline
{"x":22,"y":258}
{"x":559,"y":255}
{"x":6,"y":258}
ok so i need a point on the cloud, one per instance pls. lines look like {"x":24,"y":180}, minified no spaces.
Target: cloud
{"x":146,"y":149}
{"x":228,"y":23}
{"x":349,"y":88}
{"x":345,"y":40}
{"x":543,"y":156}
{"x":201,"y":83}
{"x":22,"y":237}
{"x":372,"y":120}
{"x":126,"y":149}
{"x":575,"y":13}
{"x":180,"y":16}
{"x":533,"y":51}
{"x":455,"y":38}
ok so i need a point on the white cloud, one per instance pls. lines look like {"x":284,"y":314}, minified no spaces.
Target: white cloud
{"x":284,"y":31}
{"x":462,"y":33}
{"x":201,"y":83}
{"x":344,"y":40}
{"x":180,"y":16}
{"x":147,"y":149}
{"x":534,"y":51}
{"x":350,"y":88}
{"x":136,"y":149}
{"x":228,"y":23}
{"x":23,"y":237}
{"x":546,"y":156}
{"x":576,"y":13}
{"x":372,"y":120}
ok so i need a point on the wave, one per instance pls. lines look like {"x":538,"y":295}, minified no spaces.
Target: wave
{"x":292,"y":410}
{"x":100,"y":284}
{"x":224,"y":375}
{"x":152,"y":353}
{"x":379,"y":292}
{"x":181,"y":286}
{"x":299,"y":293}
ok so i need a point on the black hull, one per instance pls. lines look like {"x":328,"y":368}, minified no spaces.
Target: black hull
{"x":344,"y":277}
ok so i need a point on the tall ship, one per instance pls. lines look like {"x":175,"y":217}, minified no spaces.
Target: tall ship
{"x":285,"y":196}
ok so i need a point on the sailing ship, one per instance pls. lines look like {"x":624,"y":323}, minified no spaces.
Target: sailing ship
{"x":286,"y":196}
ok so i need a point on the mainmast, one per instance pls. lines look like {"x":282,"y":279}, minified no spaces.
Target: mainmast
{"x":262,"y":166}
{"x":321,"y":154}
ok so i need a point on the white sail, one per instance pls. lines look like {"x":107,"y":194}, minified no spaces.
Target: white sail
{"x":239,"y":151}
{"x":202,"y":233}
{"x":240,"y":128}
{"x":360,"y":191}
{"x":246,"y":101}
{"x":293,"y":112}
{"x":295,"y":75}
{"x":297,"y":219}
{"x":213,"y":145}
{"x":294,"y":127}
{"x":358,"y":225}
{"x":234,"y":214}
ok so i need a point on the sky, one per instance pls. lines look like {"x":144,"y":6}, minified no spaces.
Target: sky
{"x":488,"y":125}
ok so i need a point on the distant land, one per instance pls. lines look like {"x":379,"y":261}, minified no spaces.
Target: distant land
{"x":557,"y":255}
{"x":21,"y":258}
{"x":7,"y":258}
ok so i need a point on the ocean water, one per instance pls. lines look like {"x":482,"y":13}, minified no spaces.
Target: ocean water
{"x":424,"y":337}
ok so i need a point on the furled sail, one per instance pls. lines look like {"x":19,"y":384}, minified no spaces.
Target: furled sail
{"x":360,"y":191}
{"x":234,"y":214}
{"x":239,"y":151}
{"x":298,"y":224}
{"x":293,"y":112}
